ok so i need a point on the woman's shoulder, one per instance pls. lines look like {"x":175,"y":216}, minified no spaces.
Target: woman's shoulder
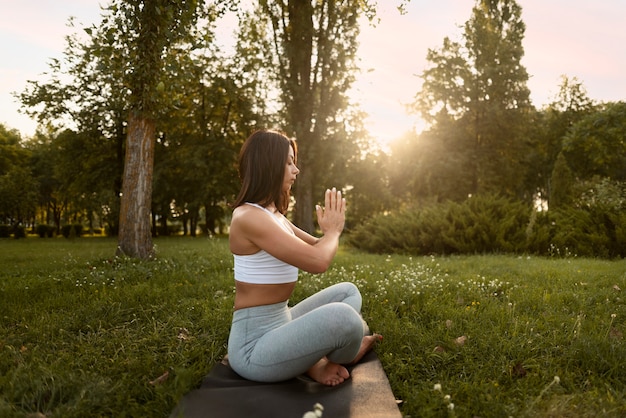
{"x":246,"y":208}
{"x":240,"y":211}
{"x":247,"y":213}
{"x":245,"y":223}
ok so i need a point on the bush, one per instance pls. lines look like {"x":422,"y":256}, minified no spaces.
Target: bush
{"x":44,"y":230}
{"x":479,"y":225}
{"x":71,"y":231}
{"x":5,"y":231}
{"x":489,"y":224}
{"x":584,"y":232}
{"x":19,"y":231}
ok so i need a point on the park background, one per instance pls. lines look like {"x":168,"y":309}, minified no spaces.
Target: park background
{"x":139,"y":125}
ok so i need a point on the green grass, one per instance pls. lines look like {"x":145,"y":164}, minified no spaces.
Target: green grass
{"x":83,"y":333}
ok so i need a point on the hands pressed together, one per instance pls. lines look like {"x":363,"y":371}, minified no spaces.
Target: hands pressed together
{"x":331,"y":218}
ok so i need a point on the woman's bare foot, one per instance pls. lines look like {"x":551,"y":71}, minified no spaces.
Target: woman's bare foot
{"x":366,"y":346}
{"x":328,"y":373}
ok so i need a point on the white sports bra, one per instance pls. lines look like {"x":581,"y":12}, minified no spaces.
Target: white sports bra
{"x":262,"y":267}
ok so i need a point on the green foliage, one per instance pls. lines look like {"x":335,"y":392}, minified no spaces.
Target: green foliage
{"x":72,"y":230}
{"x":19,"y":231}
{"x":5,"y":231}
{"x":488,"y":224}
{"x":595,"y":145}
{"x":476,"y":98}
{"x":208,"y":102}
{"x":12,"y":151}
{"x":144,"y":31}
{"x":206,"y":105}
{"x":312,"y":59}
{"x":593,"y":227}
{"x":18,"y":194}
{"x":481,"y":224}
{"x":18,"y":197}
{"x":562,"y":184}
{"x":545,"y":136}
{"x":45,"y":231}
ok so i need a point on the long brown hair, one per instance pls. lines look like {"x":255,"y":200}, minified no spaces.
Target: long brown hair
{"x":262,"y":161}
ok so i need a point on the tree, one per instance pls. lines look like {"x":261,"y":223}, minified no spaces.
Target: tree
{"x":447,"y":83}
{"x":595,"y":145}
{"x":562,"y":184}
{"x":494,"y":37}
{"x":86,"y":93}
{"x":11,"y":150}
{"x":548,"y":128}
{"x":205,"y":105}
{"x":18,"y":199}
{"x":314,"y":44}
{"x":44,"y":161}
{"x":196,"y":159}
{"x":201,"y":135}
{"x":479,"y":86}
{"x":147,"y":29}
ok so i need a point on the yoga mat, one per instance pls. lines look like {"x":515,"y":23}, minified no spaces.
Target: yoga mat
{"x":224,"y":394}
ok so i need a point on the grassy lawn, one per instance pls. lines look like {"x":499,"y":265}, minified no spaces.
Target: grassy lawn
{"x":85,"y":334}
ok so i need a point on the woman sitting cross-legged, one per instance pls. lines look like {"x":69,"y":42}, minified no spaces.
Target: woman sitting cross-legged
{"x":270,"y":341}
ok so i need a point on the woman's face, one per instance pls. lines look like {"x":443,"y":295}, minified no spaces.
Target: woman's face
{"x":291,"y":171}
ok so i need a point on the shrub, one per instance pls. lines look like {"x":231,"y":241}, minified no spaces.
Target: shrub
{"x":478,"y":225}
{"x":585,"y":232}
{"x":44,"y":230}
{"x":71,"y":231}
{"x":488,"y":224}
{"x":5,"y":231}
{"x":19,"y":231}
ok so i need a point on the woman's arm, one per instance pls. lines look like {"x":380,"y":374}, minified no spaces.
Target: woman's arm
{"x":251,"y":230}
{"x":303,"y":235}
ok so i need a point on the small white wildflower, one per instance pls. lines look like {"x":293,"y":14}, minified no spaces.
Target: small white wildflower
{"x":317,"y":412}
{"x":451,"y":406}
{"x":446,"y":398}
{"x":557,"y":379}
{"x":437,"y":387}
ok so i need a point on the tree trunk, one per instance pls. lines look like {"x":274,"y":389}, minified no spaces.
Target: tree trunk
{"x":155,"y":225}
{"x":135,"y":237}
{"x":164,"y":230}
{"x":193,"y":222}
{"x":304,"y":203}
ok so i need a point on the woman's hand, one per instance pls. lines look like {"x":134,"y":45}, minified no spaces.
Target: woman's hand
{"x":332,"y":216}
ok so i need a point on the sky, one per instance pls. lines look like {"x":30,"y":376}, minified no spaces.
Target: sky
{"x":585,"y":39}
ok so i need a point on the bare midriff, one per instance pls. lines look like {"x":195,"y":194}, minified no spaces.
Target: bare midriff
{"x":248,"y":295}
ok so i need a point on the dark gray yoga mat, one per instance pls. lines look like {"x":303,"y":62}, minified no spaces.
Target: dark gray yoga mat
{"x":224,"y":394}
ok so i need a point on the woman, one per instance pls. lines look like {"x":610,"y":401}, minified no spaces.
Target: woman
{"x":270,"y":341}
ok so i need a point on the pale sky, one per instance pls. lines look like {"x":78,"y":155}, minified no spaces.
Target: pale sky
{"x":585,"y":39}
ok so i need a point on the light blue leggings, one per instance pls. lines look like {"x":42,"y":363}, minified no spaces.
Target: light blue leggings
{"x":272,"y":343}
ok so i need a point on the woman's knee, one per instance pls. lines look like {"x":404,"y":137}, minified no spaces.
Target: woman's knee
{"x":350,"y":288}
{"x":352,"y":295}
{"x":346,"y":319}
